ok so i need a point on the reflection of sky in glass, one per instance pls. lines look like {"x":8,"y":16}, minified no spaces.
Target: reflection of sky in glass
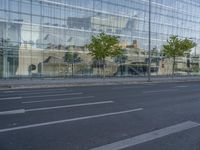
{"x":125,"y":18}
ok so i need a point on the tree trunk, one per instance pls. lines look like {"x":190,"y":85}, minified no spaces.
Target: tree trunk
{"x":121,"y":68}
{"x":173,"y":68}
{"x":98,"y":66}
{"x":104,"y":68}
{"x":72,"y":69}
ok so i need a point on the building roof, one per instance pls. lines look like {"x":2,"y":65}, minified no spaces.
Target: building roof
{"x":53,"y":59}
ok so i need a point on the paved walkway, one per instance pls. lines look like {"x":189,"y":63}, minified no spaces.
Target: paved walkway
{"x":44,"y":83}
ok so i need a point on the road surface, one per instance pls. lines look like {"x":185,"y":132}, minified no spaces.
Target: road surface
{"x":150,"y":116}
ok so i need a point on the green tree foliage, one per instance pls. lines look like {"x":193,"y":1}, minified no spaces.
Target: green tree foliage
{"x":72,"y":58}
{"x":2,"y":41}
{"x":177,"y":47}
{"x":121,"y":59}
{"x":103,"y":46}
{"x":6,"y":53}
{"x":154,"y":52}
{"x":5,"y":43}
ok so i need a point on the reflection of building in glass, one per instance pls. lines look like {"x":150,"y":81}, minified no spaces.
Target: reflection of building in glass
{"x":79,"y":23}
{"x":35,"y":35}
{"x":49,"y":35}
{"x":9,"y":46}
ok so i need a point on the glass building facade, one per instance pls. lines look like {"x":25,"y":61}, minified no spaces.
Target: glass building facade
{"x":36,"y":36}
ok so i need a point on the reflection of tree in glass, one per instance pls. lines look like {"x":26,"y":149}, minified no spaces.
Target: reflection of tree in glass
{"x":177,"y":47}
{"x":72,"y":58}
{"x":121,"y":59}
{"x":103,"y":46}
{"x":9,"y":53}
{"x":2,"y":41}
{"x":31,"y":68}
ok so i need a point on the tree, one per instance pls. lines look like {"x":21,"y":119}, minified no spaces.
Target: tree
{"x":154,"y":52}
{"x":103,"y":46}
{"x":121,"y":59}
{"x":72,"y":58}
{"x":8,"y":53}
{"x":31,"y":68}
{"x":1,"y":56}
{"x":177,"y":47}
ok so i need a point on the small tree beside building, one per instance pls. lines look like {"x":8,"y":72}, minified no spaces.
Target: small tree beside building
{"x":103,"y":46}
{"x":177,"y":47}
{"x":72,"y":58}
{"x":121,"y":59}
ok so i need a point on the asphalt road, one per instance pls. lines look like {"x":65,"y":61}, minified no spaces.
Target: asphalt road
{"x":132,"y":117}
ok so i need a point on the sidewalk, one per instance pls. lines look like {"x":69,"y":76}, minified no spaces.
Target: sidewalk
{"x":70,"y":82}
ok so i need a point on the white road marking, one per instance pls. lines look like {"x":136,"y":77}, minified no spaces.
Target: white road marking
{"x":9,"y":92}
{"x":9,"y":98}
{"x":182,"y":86}
{"x":55,"y":100}
{"x":38,"y":96}
{"x":50,"y":92}
{"x":36,"y":91}
{"x":52,"y":95}
{"x":159,"y":91}
{"x":119,"y":88}
{"x":19,"y":111}
{"x":68,"y":120}
{"x":148,"y":136}
{"x":68,"y":106}
{"x":10,"y":112}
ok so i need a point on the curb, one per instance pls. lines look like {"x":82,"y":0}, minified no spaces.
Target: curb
{"x":85,"y":84}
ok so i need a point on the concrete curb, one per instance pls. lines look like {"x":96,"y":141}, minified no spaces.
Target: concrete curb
{"x":82,"y":84}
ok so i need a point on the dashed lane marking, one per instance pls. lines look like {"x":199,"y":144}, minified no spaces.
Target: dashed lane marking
{"x":160,"y":91}
{"x":146,"y":137}
{"x":68,"y":120}
{"x":20,"y":111}
{"x":39,"y":96}
{"x":55,"y":100}
{"x":10,"y":98}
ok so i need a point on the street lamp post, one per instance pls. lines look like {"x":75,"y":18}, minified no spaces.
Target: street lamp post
{"x":149,"y":57}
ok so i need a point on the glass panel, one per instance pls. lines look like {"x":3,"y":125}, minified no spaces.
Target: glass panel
{"x":36,"y":35}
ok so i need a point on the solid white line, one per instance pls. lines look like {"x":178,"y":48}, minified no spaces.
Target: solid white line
{"x":52,"y":95}
{"x":182,"y":86}
{"x":68,"y":120}
{"x":19,"y":111}
{"x":55,"y":100}
{"x":36,"y":91}
{"x":119,"y":88}
{"x":68,"y":106}
{"x":148,"y":136}
{"x":159,"y":91}
{"x":9,"y":98}
{"x":10,"y":112}
{"x":50,"y":92}
{"x":9,"y":92}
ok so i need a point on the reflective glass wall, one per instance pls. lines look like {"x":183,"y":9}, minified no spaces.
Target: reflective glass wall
{"x":48,"y":38}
